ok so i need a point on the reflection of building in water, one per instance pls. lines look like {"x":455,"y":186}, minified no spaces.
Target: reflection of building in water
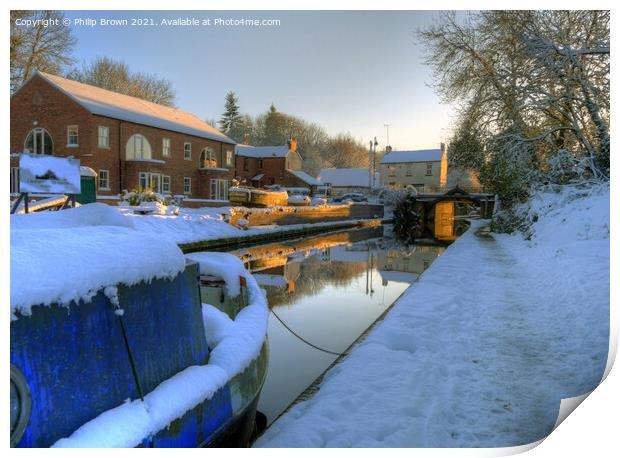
{"x":282,"y":276}
{"x":394,"y":265}
{"x":351,"y":253}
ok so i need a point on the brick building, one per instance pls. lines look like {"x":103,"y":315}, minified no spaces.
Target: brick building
{"x":129,"y":142}
{"x":260,"y":166}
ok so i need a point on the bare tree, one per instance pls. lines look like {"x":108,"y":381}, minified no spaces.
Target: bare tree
{"x":116,"y":76}
{"x":44,"y":45}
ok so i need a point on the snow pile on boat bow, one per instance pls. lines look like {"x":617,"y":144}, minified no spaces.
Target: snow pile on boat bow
{"x":59,"y":257}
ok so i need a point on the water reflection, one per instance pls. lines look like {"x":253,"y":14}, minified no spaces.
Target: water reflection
{"x":327,"y":290}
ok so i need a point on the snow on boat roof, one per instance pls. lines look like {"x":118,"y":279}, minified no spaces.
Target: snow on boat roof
{"x":422,"y":155}
{"x":258,"y":177}
{"x":305,"y":177}
{"x":120,"y":106}
{"x":346,"y":177}
{"x":59,"y":257}
{"x":261,"y":151}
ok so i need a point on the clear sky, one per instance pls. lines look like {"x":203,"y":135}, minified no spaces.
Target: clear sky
{"x":347,"y":71}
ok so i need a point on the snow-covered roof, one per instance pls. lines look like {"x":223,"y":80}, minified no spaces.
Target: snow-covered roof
{"x":346,"y":177}
{"x":306,"y":178}
{"x":422,"y":155}
{"x":261,"y":151}
{"x":124,"y":107}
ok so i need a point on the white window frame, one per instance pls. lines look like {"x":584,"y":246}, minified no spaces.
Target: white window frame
{"x":187,"y":151}
{"x":145,"y":147}
{"x":165,"y":147}
{"x":38,"y":136}
{"x":14,"y":180}
{"x":429,"y":169}
{"x":143,"y":180}
{"x":187,"y":185}
{"x":207,"y":155}
{"x":103,"y":176}
{"x":229,"y":158}
{"x":219,"y":189}
{"x":73,"y":130}
{"x":106,"y":137}
{"x":166,"y":184}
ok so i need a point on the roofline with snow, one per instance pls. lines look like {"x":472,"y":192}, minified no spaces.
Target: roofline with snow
{"x":223,"y":139}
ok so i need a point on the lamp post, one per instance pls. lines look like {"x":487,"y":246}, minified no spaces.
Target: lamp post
{"x":372,"y":154}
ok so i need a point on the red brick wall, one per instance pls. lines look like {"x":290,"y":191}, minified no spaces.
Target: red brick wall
{"x":37,"y":104}
{"x":53,"y":110}
{"x":273,"y":169}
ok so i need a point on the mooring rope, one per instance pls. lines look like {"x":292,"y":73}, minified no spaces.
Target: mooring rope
{"x":304,"y":340}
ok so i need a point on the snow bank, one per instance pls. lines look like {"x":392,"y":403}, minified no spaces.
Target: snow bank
{"x":481,"y":350}
{"x":94,"y":214}
{"x":190,"y":225}
{"x":234,"y":345}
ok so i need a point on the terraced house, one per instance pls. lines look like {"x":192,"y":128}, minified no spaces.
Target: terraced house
{"x":127,"y":141}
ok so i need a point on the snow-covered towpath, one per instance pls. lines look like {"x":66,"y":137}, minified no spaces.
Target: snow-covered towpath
{"x":481,"y":350}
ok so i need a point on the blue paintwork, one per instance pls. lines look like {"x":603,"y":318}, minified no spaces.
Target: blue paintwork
{"x":77,"y":366}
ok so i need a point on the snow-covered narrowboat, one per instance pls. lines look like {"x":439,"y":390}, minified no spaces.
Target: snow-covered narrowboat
{"x":253,"y":197}
{"x":119,"y":340}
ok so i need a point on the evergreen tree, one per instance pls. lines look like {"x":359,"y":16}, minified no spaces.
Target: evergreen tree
{"x":231,"y":117}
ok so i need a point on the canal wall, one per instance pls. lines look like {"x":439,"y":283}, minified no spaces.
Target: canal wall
{"x":284,"y":216}
{"x":275,"y":235}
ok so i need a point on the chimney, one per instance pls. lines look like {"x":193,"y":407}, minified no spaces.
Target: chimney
{"x":292,"y":144}
{"x":388,"y":149}
{"x":246,"y":139}
{"x":442,"y":146}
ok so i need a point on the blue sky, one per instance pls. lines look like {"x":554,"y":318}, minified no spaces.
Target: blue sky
{"x":347,"y":71}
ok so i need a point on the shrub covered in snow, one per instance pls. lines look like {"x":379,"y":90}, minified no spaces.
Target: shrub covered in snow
{"x":137,"y":197}
{"x":392,"y":197}
{"x":146,"y":198}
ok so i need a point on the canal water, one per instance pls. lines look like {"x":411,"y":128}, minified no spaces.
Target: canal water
{"x":324,"y":292}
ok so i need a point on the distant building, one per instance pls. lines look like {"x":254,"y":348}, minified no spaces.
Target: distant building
{"x":342,"y":181}
{"x":129,"y":142}
{"x":425,"y":170}
{"x":260,"y":166}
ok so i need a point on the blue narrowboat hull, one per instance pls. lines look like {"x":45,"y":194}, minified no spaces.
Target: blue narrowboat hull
{"x":79,"y":362}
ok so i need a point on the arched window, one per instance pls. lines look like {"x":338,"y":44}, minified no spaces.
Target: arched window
{"x":207,"y":158}
{"x":39,"y":141}
{"x":138,"y":147}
